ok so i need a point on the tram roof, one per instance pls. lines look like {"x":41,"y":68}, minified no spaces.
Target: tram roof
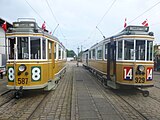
{"x":135,"y":30}
{"x":129,"y":30}
{"x":30,"y":26}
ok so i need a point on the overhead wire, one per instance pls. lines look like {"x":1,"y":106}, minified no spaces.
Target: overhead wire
{"x":128,"y":22}
{"x":144,"y":12}
{"x":37,"y":13}
{"x":141,"y":14}
{"x":107,"y":11}
{"x":52,"y":12}
{"x":55,"y":18}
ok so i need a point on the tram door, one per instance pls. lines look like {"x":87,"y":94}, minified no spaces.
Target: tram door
{"x":51,"y":63}
{"x":87,"y":59}
{"x":111,"y":63}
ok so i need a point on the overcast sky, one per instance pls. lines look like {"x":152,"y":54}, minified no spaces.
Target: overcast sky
{"x":78,"y":19}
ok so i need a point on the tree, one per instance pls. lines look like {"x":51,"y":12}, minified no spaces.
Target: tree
{"x":71,"y":53}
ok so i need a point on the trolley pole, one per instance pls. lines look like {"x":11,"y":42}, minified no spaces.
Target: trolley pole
{"x":78,"y":57}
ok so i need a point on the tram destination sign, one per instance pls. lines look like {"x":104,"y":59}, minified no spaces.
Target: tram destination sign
{"x":139,"y":28}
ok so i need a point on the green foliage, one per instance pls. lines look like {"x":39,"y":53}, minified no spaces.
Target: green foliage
{"x":71,"y":53}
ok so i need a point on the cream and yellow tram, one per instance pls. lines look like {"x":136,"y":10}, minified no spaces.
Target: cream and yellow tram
{"x":35,"y":59}
{"x":124,"y":60}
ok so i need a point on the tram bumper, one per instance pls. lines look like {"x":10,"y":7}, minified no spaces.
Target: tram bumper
{"x":11,"y":87}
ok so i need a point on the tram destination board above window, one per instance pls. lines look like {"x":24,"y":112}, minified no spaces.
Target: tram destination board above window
{"x":139,"y":28}
{"x":24,"y":25}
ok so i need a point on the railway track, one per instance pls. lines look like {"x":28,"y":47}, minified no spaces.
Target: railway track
{"x":37,"y":106}
{"x":124,"y":103}
{"x":6,"y":97}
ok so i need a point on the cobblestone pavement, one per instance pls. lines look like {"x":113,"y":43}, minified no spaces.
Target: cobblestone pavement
{"x":88,"y":103}
{"x":80,"y":97}
{"x":94,"y":102}
{"x":39,"y":105}
{"x":3,"y":83}
{"x":57,"y":106}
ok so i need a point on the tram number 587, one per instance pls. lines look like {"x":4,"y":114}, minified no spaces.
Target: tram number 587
{"x":22,"y":80}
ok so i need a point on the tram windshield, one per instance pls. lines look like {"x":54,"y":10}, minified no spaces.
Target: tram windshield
{"x":27,"y":48}
{"x":135,"y":50}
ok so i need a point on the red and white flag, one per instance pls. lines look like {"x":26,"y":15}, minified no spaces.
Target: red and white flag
{"x":125,"y":23}
{"x":145,"y":23}
{"x":44,"y":25}
{"x":4,"y":26}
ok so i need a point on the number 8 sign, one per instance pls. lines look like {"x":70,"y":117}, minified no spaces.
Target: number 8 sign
{"x":36,"y":73}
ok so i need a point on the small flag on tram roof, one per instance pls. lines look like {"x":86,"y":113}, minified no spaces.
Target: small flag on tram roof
{"x":4,"y":26}
{"x":44,"y":25}
{"x":125,"y":23}
{"x":145,"y":23}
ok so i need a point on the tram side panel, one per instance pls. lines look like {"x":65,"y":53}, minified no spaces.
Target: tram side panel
{"x":59,"y":65}
{"x":126,"y":75}
{"x":99,"y":65}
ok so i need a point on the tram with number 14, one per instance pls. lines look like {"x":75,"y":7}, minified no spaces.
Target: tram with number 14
{"x":124,"y":60}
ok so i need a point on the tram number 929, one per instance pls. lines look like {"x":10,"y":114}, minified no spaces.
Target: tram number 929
{"x":139,"y":80}
{"x":22,"y":80}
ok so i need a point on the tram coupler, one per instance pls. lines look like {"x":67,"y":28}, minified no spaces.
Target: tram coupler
{"x":19,"y":92}
{"x":145,"y":93}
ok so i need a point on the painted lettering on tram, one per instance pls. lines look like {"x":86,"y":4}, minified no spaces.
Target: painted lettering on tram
{"x":149,"y":73}
{"x":128,"y":73}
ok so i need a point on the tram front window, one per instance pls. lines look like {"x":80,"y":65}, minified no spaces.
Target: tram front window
{"x":22,"y":47}
{"x":140,"y":49}
{"x":11,"y":42}
{"x":129,"y":49}
{"x":35,"y":48}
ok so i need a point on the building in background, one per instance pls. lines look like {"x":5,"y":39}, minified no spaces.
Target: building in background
{"x":2,"y":44}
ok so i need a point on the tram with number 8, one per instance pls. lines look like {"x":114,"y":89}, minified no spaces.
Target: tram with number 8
{"x":124,"y":60}
{"x":35,"y":58}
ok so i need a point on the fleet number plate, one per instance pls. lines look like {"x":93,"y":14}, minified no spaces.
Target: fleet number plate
{"x":22,"y":80}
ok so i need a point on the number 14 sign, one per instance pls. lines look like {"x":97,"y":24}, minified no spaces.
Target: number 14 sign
{"x":149,"y":73}
{"x":128,"y":73}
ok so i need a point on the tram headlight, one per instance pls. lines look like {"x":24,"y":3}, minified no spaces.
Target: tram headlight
{"x":22,"y":68}
{"x":140,"y":68}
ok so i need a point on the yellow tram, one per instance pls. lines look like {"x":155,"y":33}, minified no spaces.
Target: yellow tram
{"x":124,"y":60}
{"x":35,"y":59}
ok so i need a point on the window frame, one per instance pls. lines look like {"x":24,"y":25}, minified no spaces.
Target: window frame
{"x":29,"y":47}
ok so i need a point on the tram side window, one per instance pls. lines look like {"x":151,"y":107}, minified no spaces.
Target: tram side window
{"x":99,"y":52}
{"x":119,"y":50}
{"x":35,"y":48}
{"x":22,"y":47}
{"x":62,"y":54}
{"x":44,"y":48}
{"x":59,"y":52}
{"x":140,"y":49}
{"x":89,"y":54}
{"x":106,"y":50}
{"x":11,"y":42}
{"x":55,"y":46}
{"x":129,"y":50}
{"x":93,"y":54}
{"x":149,"y":50}
{"x":49,"y":50}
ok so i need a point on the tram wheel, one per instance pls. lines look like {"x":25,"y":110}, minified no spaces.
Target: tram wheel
{"x":145,"y":93}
